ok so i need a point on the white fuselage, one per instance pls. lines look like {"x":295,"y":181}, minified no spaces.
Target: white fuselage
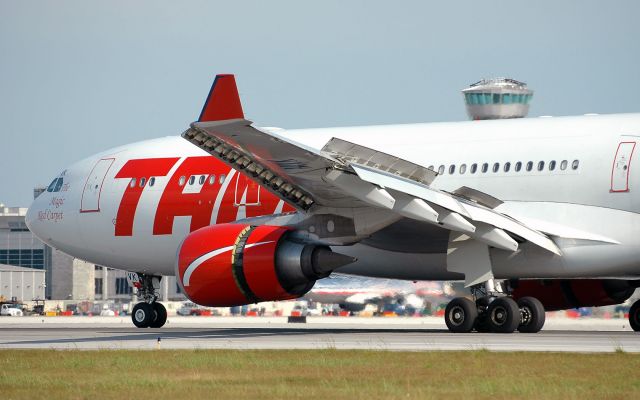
{"x":592,"y":210}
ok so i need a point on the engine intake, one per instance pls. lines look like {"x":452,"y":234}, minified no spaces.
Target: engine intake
{"x":234,"y":264}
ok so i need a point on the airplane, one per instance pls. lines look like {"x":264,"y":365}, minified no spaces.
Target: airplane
{"x":532,"y":214}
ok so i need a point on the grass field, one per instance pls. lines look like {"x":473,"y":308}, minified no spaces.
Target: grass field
{"x":315,"y":374}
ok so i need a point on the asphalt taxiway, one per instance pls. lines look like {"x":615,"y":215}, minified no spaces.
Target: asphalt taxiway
{"x":412,"y":334}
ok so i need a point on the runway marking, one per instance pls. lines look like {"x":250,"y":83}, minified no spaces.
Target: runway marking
{"x":345,"y":336}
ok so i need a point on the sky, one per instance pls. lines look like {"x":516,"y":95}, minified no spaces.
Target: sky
{"x":79,"y":77}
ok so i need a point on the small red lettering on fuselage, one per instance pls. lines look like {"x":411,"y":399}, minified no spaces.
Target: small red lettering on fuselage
{"x":56,"y":202}
{"x":195,"y":198}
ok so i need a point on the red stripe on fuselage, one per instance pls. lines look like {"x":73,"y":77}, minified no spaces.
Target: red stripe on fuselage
{"x":137,"y":169}
{"x":177,"y":201}
{"x":198,"y":206}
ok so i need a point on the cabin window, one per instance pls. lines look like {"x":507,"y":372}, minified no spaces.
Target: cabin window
{"x":182,"y":180}
{"x":132,"y":184}
{"x":222,"y":178}
{"x":152,"y":181}
{"x":212,"y":179}
{"x":518,"y":166}
{"x":202,"y":179}
{"x":563,"y":164}
{"x":452,"y":169}
{"x":192,"y":180}
{"x":474,"y":168}
{"x":575,"y":164}
{"x":507,"y":166}
{"x":430,"y":167}
{"x":496,"y":167}
{"x":441,"y":170}
{"x":485,"y":168}
{"x":529,"y":165}
{"x":143,"y":181}
{"x":463,"y":169}
{"x":540,"y":165}
{"x":552,"y":165}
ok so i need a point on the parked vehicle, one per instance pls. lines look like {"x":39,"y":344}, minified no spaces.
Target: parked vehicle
{"x":11,"y":309}
{"x":189,"y":308}
{"x":38,"y":307}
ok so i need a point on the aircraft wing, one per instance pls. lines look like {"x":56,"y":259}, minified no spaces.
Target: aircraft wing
{"x":347,"y":175}
{"x":290,"y":170}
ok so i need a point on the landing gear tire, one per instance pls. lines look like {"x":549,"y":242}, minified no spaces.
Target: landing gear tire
{"x":634,"y":316}
{"x":143,"y":315}
{"x":460,"y":315}
{"x":161,"y":316}
{"x":503,"y":315}
{"x":532,"y":315}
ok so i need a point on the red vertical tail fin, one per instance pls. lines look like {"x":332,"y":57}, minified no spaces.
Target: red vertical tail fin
{"x":223,"y":101}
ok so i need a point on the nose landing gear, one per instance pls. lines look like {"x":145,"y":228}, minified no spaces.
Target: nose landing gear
{"x":495,"y":311}
{"x":148,"y":313}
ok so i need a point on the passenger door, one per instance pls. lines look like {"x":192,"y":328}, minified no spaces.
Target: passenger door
{"x":247,"y":192}
{"x":93,"y":187}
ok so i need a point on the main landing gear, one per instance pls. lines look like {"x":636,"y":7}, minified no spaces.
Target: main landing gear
{"x":148,"y":313}
{"x":495,"y":311}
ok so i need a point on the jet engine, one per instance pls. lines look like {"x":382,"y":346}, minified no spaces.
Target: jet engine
{"x":564,"y":294}
{"x":235,"y":264}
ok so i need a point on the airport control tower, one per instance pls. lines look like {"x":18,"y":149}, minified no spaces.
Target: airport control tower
{"x":497,"y":98}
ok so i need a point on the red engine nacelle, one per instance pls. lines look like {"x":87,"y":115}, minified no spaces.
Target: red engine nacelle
{"x":563,"y":294}
{"x":234,"y":264}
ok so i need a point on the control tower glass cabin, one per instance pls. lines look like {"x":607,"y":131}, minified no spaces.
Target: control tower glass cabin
{"x":497,"y":98}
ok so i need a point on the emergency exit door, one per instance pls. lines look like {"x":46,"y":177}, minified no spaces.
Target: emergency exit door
{"x":622,"y":167}
{"x":93,"y":187}
{"x":247,"y":192}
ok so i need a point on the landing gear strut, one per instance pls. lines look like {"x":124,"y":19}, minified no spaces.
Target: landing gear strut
{"x":495,"y":311}
{"x":148,"y":313}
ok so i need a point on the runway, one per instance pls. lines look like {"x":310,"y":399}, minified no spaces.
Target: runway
{"x":416,"y":334}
